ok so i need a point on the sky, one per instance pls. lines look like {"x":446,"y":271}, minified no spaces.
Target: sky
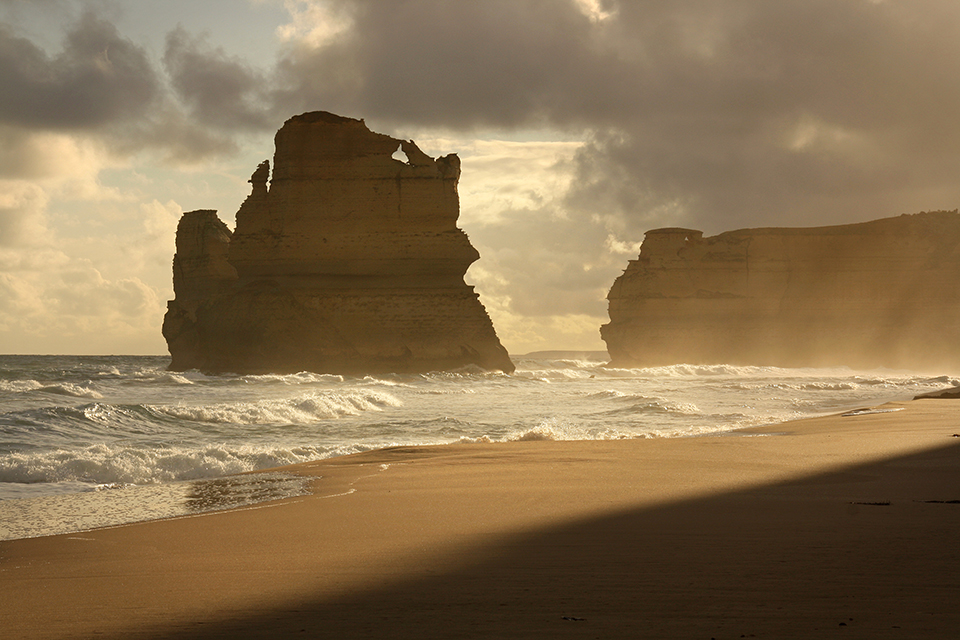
{"x":581,"y":124}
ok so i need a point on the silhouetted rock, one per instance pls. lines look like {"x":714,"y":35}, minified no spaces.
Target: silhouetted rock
{"x":881,"y":293}
{"x":349,"y":262}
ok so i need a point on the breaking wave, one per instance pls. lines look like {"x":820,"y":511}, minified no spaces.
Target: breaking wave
{"x":82,"y":390}
{"x":302,"y":409}
{"x":70,"y":422}
{"x":119,"y":463}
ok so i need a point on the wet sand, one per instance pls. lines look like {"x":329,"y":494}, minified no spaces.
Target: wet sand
{"x":826,"y":527}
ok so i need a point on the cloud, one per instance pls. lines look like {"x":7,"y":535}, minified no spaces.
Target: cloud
{"x":499,"y":175}
{"x":780,"y":113}
{"x":196,"y":105}
{"x":222,"y":92}
{"x":55,"y":295}
{"x":172,"y":138}
{"x":85,"y":264}
{"x":44,"y":169}
{"x":51,"y":302}
{"x":716,"y":114}
{"x":98,"y":78}
{"x":313,"y":24}
{"x":581,"y":123}
{"x":156,"y":242}
{"x":78,"y":311}
{"x":466,"y":64}
{"x":41,"y":155}
{"x":17,"y":299}
{"x":548,"y":263}
{"x":708,"y":115}
{"x":86,"y":299}
{"x":22,"y":214}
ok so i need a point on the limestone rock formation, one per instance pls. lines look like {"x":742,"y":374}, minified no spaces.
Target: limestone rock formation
{"x":877,"y":294}
{"x":350,"y":261}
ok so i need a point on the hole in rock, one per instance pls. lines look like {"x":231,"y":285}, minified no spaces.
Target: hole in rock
{"x":400,"y":155}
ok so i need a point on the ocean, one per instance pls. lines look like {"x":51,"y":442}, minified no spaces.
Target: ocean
{"x":89,"y":442}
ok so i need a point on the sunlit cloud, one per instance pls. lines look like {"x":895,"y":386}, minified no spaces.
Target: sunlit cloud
{"x":314,"y":23}
{"x":503,"y":175}
{"x":597,"y":10}
{"x":22,"y":214}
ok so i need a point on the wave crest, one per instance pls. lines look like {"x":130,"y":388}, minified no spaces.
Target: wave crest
{"x":105,"y":464}
{"x":19,"y":386}
{"x":83,"y":390}
{"x":302,"y":409}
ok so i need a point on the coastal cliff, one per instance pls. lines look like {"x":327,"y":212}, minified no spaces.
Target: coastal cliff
{"x":349,"y":261}
{"x":876,"y":294}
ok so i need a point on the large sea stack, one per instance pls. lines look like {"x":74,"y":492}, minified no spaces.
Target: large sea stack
{"x":884,"y":293}
{"x":350,"y":261}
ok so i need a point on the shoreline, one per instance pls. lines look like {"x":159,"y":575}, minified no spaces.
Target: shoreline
{"x":835,"y":522}
{"x":112,"y":505}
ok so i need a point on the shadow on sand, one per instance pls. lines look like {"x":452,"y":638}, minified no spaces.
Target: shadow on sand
{"x":869,"y":552}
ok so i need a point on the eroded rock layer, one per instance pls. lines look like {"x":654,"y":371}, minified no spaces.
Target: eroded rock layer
{"x":876,"y":294}
{"x":350,"y":261}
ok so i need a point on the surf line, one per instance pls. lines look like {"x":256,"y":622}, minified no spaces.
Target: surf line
{"x":383,"y":467}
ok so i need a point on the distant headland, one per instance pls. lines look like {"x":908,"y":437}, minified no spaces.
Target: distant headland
{"x":350,"y":261}
{"x":884,"y":293}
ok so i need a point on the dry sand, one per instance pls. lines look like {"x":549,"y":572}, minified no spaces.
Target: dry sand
{"x":831,"y":527}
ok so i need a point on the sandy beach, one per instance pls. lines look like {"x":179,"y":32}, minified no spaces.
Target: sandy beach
{"x":842,"y":526}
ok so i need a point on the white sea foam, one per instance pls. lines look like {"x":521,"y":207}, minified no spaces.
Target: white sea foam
{"x":870,"y":410}
{"x":383,"y":382}
{"x":640,"y":404}
{"x":608,"y":394}
{"x":556,"y":375}
{"x":558,"y":430}
{"x":445,"y":392}
{"x":302,"y":378}
{"x":175,"y":378}
{"x":702,"y":370}
{"x":82,"y":390}
{"x":123,"y":504}
{"x":19,"y":386}
{"x":302,"y":409}
{"x":120,"y":464}
{"x":70,"y":389}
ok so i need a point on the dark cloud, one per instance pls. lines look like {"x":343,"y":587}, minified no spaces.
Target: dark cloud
{"x":174,"y":135}
{"x":102,"y":84}
{"x":784,"y":113}
{"x":717,"y":114}
{"x":458,"y":64}
{"x":713,"y":114}
{"x":97,"y":79}
{"x":220,"y":91}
